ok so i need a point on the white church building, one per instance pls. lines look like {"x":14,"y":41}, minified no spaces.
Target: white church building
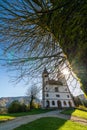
{"x":55,"y":93}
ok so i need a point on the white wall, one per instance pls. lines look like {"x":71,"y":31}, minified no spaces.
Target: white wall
{"x":62,"y":103}
{"x":63,"y":91}
{"x":51,"y":88}
{"x":53,"y":95}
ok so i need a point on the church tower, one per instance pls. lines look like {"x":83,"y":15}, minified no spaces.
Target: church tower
{"x":55,"y":93}
{"x":45,"y":77}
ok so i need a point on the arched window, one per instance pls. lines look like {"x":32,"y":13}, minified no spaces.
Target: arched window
{"x":70,"y":104}
{"x":59,"y":104}
{"x":53,"y":103}
{"x":64,"y":102}
{"x":47,"y":104}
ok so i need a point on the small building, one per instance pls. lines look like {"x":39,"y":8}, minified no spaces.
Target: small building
{"x":55,"y":93}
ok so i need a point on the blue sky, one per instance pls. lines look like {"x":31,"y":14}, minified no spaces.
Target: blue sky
{"x":7,"y":88}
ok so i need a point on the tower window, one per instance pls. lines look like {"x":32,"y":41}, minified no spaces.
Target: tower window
{"x":53,"y":103}
{"x":46,"y":88}
{"x":47,"y":95}
{"x":56,"y":89}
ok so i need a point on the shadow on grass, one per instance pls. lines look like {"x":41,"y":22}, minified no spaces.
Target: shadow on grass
{"x":46,"y":123}
{"x":68,"y":111}
{"x":51,"y":123}
{"x":30,"y":112}
{"x":12,"y":116}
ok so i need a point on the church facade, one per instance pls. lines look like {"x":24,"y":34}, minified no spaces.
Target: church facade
{"x":55,"y":93}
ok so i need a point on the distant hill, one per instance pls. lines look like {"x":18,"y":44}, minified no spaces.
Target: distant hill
{"x":6,"y":101}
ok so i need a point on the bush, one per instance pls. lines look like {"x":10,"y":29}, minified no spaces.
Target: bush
{"x":23,"y":108}
{"x":35,"y":105}
{"x":15,"y":107}
{"x":3,"y":110}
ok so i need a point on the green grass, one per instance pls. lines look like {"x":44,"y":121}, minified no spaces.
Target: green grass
{"x":52,"y":123}
{"x":31,"y":112}
{"x":4,"y":117}
{"x":76,"y":112}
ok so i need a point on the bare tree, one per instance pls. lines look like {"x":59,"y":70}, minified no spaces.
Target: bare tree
{"x":33,"y":93}
{"x":30,"y":45}
{"x":31,"y":38}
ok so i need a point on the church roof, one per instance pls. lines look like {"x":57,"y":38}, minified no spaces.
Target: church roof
{"x":54,"y":82}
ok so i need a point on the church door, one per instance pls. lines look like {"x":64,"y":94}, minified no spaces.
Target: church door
{"x":59,"y":104}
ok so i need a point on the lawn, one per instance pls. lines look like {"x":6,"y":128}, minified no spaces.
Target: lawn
{"x":52,"y":123}
{"x":4,"y":117}
{"x":75,"y":112}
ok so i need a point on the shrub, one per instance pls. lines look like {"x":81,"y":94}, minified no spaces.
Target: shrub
{"x":3,"y":110}
{"x":23,"y":108}
{"x":15,"y":107}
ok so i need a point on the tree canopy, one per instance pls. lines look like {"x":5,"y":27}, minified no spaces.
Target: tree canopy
{"x":36,"y":30}
{"x":68,"y":24}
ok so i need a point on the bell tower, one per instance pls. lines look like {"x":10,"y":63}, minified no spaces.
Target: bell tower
{"x":45,"y":78}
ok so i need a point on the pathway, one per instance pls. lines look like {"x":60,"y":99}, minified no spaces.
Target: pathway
{"x":10,"y":125}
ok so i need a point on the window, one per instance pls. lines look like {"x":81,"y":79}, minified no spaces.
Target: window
{"x":64,"y":102}
{"x":53,"y":103}
{"x":47,"y":95}
{"x":70,"y":104}
{"x":46,"y":88}
{"x":68,"y":96}
{"x":59,"y":104}
{"x":56,"y":89}
{"x":47,"y":104}
{"x":57,"y":95}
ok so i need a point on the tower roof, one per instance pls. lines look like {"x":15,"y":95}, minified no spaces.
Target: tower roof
{"x":45,"y":71}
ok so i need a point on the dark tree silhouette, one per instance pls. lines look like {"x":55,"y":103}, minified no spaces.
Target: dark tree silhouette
{"x":33,"y":93}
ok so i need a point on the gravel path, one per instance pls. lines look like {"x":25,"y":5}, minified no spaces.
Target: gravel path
{"x":10,"y":125}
